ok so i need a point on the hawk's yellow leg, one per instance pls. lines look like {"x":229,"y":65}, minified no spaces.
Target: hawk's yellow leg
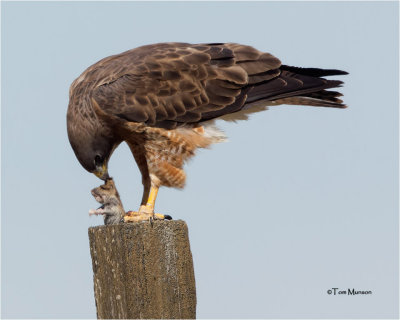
{"x":146,"y":212}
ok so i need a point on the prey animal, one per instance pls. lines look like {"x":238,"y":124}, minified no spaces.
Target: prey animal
{"x":111,"y":205}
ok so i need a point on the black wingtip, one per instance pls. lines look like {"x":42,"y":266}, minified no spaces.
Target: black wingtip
{"x":335,"y":72}
{"x":314,"y":72}
{"x":167,"y":217}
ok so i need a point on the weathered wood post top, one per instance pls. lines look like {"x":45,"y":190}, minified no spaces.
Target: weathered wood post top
{"x":143,"y":271}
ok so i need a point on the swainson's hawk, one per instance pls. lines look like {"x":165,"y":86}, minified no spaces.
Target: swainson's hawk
{"x":161,"y":99}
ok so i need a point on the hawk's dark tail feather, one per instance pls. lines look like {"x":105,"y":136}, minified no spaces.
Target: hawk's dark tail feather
{"x":299,"y":86}
{"x":307,"y":101}
{"x":293,"y":85}
{"x":327,"y":96}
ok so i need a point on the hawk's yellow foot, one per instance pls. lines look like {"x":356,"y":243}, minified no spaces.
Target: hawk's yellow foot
{"x":142,"y":215}
{"x":146,"y":212}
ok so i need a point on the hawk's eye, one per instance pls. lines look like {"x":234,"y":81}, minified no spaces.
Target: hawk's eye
{"x":98,"y":160}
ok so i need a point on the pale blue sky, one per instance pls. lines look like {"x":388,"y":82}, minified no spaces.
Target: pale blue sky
{"x":300,"y":199}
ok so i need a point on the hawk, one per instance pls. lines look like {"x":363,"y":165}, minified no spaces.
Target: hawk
{"x":161,"y":99}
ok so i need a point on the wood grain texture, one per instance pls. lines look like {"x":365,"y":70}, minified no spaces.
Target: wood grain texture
{"x":143,"y":271}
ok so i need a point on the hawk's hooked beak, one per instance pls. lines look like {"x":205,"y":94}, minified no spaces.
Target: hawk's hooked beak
{"x":102,"y":172}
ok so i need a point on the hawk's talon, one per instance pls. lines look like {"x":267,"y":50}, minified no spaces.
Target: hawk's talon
{"x":142,"y":215}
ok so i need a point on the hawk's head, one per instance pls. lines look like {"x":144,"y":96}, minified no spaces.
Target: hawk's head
{"x":93,"y":154}
{"x":92,"y":147}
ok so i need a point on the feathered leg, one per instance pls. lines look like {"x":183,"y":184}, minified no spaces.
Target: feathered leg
{"x":150,"y":190}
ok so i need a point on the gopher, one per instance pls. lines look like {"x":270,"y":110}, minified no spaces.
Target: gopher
{"x":111,"y":205}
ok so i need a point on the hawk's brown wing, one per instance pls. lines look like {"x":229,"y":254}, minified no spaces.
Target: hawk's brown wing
{"x":172,"y":84}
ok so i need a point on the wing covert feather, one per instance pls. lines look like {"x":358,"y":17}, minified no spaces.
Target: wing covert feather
{"x":172,"y":84}
{"x":178,"y":82}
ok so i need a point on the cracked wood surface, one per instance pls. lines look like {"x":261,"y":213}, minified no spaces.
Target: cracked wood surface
{"x":143,"y":271}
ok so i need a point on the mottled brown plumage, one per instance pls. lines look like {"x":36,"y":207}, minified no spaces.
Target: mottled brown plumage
{"x":158,"y":97}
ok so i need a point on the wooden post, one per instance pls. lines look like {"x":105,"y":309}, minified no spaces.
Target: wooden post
{"x":143,"y":271}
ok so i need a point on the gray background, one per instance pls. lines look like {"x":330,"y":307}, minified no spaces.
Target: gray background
{"x":300,"y":200}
